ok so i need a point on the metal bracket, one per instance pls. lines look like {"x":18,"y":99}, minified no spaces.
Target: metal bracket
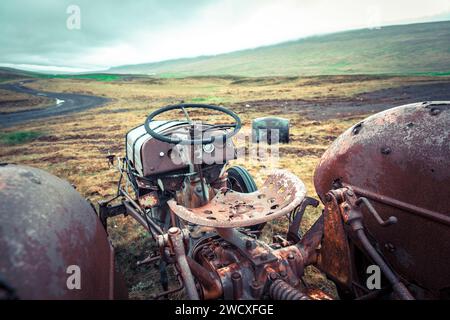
{"x":252,"y":249}
{"x":350,"y":210}
{"x":106,"y":210}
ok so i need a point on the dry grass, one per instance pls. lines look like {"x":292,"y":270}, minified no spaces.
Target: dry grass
{"x":227,"y":90}
{"x":14,"y":102}
{"x":74,"y":147}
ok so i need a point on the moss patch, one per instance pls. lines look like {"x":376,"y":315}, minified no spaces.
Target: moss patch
{"x":19,"y":137}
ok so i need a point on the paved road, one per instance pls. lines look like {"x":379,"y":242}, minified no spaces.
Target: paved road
{"x":64,"y":103}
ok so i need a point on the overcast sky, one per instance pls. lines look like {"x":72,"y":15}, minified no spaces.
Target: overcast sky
{"x":115,"y":32}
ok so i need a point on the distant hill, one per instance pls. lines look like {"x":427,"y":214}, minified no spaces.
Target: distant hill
{"x":12,"y":74}
{"x":7,"y":74}
{"x":404,"y":49}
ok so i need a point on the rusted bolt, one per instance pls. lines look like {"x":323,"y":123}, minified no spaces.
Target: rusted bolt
{"x":357,"y":128}
{"x":174,"y":230}
{"x":236,"y":276}
{"x":276,"y":246}
{"x":350,"y":193}
{"x":389,"y":247}
{"x":273,"y":276}
{"x":224,"y":245}
{"x":161,"y":241}
{"x":249,"y":244}
{"x":236,"y":279}
{"x":256,"y":289}
{"x":386,"y":150}
{"x":255,"y":283}
{"x":264,"y":256}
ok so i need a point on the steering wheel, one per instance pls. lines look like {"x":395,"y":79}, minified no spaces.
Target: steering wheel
{"x":176,"y":140}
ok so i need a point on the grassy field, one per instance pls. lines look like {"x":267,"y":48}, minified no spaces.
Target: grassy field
{"x":74,"y":147}
{"x":415,"y":49}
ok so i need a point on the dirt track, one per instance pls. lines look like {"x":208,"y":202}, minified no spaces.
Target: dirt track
{"x":361,"y":104}
{"x":68,"y":103}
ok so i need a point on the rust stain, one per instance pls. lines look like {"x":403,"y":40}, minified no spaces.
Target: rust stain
{"x":279,"y":195}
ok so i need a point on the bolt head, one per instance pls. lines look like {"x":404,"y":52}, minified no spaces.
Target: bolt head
{"x":435,"y":111}
{"x":236,"y":275}
{"x":160,"y":241}
{"x":386,"y":150}
{"x":390,"y":247}
{"x":273,"y":276}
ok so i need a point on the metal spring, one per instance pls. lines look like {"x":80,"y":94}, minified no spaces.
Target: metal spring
{"x":280,"y":290}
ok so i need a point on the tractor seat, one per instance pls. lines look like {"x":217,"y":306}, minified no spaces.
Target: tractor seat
{"x":281,"y":193}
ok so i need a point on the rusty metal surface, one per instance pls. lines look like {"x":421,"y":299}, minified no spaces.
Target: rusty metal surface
{"x":240,"y":267}
{"x":344,"y":204}
{"x":280,"y":290}
{"x":177,"y":243}
{"x":159,"y":157}
{"x":45,"y":227}
{"x":209,"y":282}
{"x":335,"y":258}
{"x":399,"y":159}
{"x":279,"y":195}
{"x":248,"y":275}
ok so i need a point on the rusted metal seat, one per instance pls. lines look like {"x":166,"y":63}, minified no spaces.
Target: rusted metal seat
{"x":280,"y":194}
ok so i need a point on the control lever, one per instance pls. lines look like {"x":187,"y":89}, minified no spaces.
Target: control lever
{"x":385,"y":223}
{"x":294,"y":227}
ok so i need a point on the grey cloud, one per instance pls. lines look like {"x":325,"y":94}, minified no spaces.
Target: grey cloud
{"x":35,"y":32}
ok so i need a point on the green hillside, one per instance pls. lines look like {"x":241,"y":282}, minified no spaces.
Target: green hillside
{"x":405,"y":49}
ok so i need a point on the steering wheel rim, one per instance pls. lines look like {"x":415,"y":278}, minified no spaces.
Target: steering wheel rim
{"x":174,"y":140}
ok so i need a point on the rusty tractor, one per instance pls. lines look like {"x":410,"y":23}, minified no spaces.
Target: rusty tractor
{"x":384,"y":185}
